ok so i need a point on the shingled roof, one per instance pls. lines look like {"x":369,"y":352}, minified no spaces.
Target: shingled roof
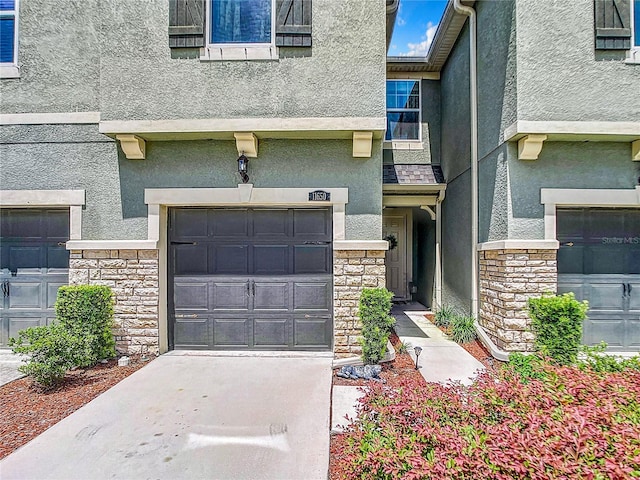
{"x":412,"y":174}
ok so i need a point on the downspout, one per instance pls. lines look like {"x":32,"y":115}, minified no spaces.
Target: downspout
{"x":473,"y":89}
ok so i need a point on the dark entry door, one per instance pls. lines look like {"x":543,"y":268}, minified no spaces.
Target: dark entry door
{"x":599,"y":260}
{"x":34,"y":262}
{"x":250,"y":279}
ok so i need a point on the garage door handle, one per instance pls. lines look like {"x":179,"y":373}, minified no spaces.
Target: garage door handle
{"x":628,"y":289}
{"x":624,"y":290}
{"x":5,"y":288}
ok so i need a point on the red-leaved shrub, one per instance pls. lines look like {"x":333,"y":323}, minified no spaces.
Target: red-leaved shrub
{"x":572,"y":425}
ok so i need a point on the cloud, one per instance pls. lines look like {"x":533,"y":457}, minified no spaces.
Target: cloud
{"x":421,"y":49}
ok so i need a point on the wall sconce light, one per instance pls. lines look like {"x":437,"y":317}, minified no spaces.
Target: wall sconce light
{"x":418,"y":351}
{"x":243,"y":168}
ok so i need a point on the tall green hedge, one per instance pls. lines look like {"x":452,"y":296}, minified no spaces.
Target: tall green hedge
{"x":557,"y":323}
{"x":87,"y":311}
{"x":374,"y":309}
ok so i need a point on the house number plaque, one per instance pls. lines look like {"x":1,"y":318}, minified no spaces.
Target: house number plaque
{"x":319,"y":196}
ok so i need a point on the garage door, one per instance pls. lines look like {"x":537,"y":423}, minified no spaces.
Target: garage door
{"x":599,"y":260}
{"x":250,"y":279}
{"x":34,"y":264}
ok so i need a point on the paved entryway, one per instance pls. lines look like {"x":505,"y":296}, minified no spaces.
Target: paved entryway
{"x":9,"y":363}
{"x":194,"y":417}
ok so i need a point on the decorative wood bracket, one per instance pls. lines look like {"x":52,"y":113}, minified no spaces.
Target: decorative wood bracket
{"x":362,"y":144}
{"x":133,"y":146}
{"x":247,"y":144}
{"x":529,"y":146}
{"x":635,"y":151}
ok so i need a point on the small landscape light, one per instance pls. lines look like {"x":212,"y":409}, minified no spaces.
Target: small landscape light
{"x":418,"y":351}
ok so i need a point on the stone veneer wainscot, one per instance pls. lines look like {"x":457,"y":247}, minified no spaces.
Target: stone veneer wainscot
{"x":353,"y":270}
{"x":508,"y":278}
{"x":133,"y":277}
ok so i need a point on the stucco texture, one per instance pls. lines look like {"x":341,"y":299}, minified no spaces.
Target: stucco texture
{"x":59,"y":58}
{"x":560,"y":74}
{"x":69,"y":157}
{"x":343,"y":76}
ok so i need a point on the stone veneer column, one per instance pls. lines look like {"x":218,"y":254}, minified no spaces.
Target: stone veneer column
{"x":508,"y":278}
{"x":353,"y":270}
{"x":133,"y":277}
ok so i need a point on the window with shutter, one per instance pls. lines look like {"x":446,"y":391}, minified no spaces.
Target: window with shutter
{"x":9,"y":39}
{"x":613,"y":24}
{"x":225,"y":26}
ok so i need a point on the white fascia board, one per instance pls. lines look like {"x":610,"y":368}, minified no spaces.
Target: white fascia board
{"x":519,"y":245}
{"x":361,"y":245}
{"x":257,"y":125}
{"x":41,"y":198}
{"x":613,"y":129}
{"x":49,"y":118}
{"x":244,"y":194}
{"x":112,"y":245}
{"x":585,"y":197}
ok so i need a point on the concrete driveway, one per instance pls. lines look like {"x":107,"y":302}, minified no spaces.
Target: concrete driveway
{"x":194,"y":417}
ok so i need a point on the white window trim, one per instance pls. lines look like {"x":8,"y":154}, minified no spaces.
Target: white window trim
{"x":73,"y":199}
{"x":551,"y":198}
{"x":406,"y":144}
{"x":11,"y":69}
{"x":633,"y":54}
{"x":238,"y":51}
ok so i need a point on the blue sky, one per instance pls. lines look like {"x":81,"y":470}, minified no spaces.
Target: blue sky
{"x":416,"y":25}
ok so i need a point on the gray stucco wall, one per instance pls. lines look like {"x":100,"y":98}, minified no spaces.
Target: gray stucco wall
{"x":563,"y":165}
{"x":113,"y":56}
{"x":59,"y":58}
{"x":561,"y":76}
{"x":77,"y":157}
{"x":343,"y":76}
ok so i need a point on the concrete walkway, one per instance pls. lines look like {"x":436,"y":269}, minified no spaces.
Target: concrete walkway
{"x":9,"y":363}
{"x":191,"y":417}
{"x":442,"y":360}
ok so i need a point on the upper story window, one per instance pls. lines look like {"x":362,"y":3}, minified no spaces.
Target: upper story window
{"x":8,"y":31}
{"x":241,"y":22}
{"x":403,"y":110}
{"x":636,"y":23}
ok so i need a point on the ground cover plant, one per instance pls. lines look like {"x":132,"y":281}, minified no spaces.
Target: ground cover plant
{"x":571,"y":423}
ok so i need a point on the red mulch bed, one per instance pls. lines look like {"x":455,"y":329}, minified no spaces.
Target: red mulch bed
{"x":392,"y":372}
{"x":26,"y":410}
{"x":402,"y":367}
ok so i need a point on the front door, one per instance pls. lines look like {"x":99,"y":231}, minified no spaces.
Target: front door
{"x":34,"y":262}
{"x":250,"y":279}
{"x":394,"y":229}
{"x":599,"y":260}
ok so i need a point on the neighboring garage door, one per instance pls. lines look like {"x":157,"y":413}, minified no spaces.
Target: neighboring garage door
{"x":250,"y":279}
{"x":599,"y":260}
{"x":34,"y":264}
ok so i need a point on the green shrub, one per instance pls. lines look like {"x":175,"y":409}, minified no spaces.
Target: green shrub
{"x":52,"y":350}
{"x":557,"y":323}
{"x":373,"y":309}
{"x":87,"y":311}
{"x":595,"y":359}
{"x":80,"y":337}
{"x":527,"y":367}
{"x":463,"y":328}
{"x":444,"y":315}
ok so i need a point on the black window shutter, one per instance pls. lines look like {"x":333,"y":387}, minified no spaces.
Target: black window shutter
{"x":293,"y":23}
{"x":613,"y":24}
{"x":186,"y":23}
